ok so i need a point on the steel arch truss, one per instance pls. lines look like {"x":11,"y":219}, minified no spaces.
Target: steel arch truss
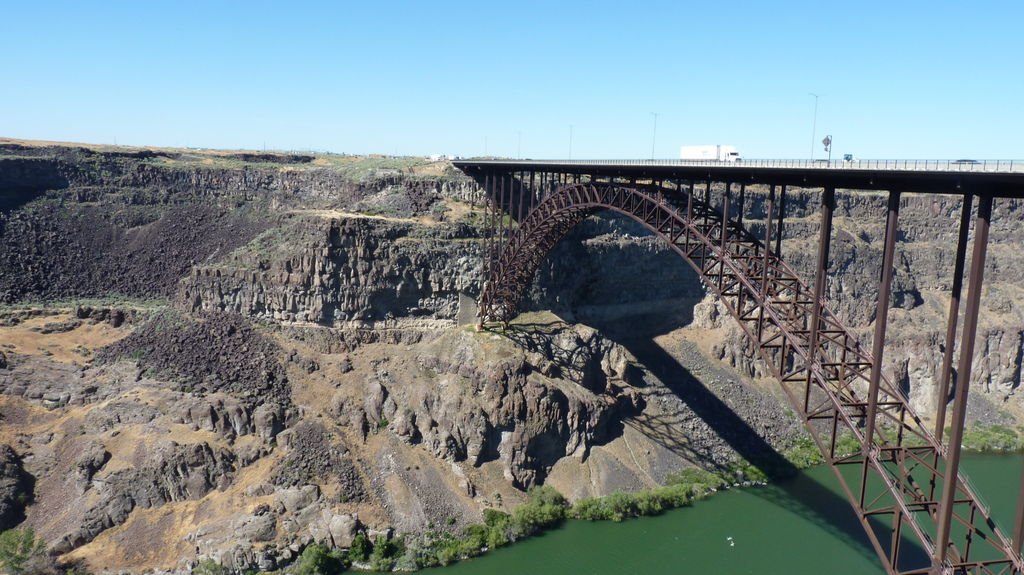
{"x":893,"y":480}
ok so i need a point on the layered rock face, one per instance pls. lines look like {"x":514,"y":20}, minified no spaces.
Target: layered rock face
{"x":343,"y":272}
{"x":80,"y":223}
{"x":925,"y":253}
{"x":483,"y":408}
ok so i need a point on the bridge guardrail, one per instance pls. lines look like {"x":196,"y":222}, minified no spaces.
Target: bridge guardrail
{"x":979,"y":166}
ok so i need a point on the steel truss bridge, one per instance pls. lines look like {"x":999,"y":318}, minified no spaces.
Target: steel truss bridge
{"x":919,"y":511}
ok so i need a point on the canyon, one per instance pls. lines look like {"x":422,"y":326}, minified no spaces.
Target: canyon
{"x":233,"y":355}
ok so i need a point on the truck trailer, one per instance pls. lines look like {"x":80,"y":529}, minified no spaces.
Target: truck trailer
{"x":710,"y":153}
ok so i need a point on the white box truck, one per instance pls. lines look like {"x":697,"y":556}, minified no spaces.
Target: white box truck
{"x":710,"y":153}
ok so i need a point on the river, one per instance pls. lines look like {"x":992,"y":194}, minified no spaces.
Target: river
{"x":790,"y":527}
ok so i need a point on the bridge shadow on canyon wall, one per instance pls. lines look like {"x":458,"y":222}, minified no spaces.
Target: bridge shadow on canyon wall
{"x":627,"y":277}
{"x":789,"y":489}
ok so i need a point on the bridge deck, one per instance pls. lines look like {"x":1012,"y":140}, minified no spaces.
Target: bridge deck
{"x":1001,"y":178}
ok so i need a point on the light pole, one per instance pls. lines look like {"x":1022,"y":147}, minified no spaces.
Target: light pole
{"x":570,"y":141}
{"x":519,"y":146}
{"x":814,"y":125}
{"x":654,"y":134}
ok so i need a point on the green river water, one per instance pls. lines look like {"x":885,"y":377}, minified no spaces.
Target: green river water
{"x":799,"y":526}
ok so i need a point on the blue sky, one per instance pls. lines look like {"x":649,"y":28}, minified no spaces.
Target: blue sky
{"x":897,"y":79}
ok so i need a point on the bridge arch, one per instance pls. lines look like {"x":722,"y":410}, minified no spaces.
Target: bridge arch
{"x":552,"y":219}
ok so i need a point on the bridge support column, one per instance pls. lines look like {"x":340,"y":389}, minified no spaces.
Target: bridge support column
{"x":724,"y":246}
{"x":828,"y":204}
{"x":782,"y":214}
{"x":1018,"y":528}
{"x":963,"y":379}
{"x":765,"y":262}
{"x":954,"y":310}
{"x":878,"y":342}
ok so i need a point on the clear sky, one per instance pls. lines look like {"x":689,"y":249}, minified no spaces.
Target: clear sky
{"x":897,"y":79}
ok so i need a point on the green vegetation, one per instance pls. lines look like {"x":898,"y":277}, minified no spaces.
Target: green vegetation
{"x":209,"y":567}
{"x":21,"y":553}
{"x":318,"y":559}
{"x":683,"y":488}
{"x":992,"y":439}
{"x":360,"y":549}
{"x":544,"y":508}
{"x":385,"y":553}
{"x":109,"y":301}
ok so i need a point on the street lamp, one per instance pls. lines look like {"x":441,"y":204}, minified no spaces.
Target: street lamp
{"x":570,"y":141}
{"x":654,"y":134}
{"x":814,"y":126}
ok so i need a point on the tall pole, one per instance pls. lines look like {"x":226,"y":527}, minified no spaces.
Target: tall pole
{"x":814,"y":125}
{"x":570,"y":141}
{"x":519,"y":145}
{"x":654,"y":134}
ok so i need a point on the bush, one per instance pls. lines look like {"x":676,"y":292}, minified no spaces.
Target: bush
{"x":696,"y":478}
{"x":683,"y":487}
{"x":209,"y":567}
{"x":384,"y":554}
{"x":544,"y":508}
{"x":318,"y":559}
{"x":21,"y":552}
{"x":500,"y":530}
{"x":474,"y":539}
{"x":360,"y":549}
{"x":589,"y":509}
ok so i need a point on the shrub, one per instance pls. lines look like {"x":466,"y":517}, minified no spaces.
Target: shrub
{"x":21,"y":552}
{"x":683,"y":487}
{"x":360,"y":549}
{"x":590,"y":509}
{"x":500,"y":530}
{"x":474,"y":538}
{"x":209,"y":567}
{"x":318,"y":559}
{"x":544,"y":508}
{"x":384,"y":554}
